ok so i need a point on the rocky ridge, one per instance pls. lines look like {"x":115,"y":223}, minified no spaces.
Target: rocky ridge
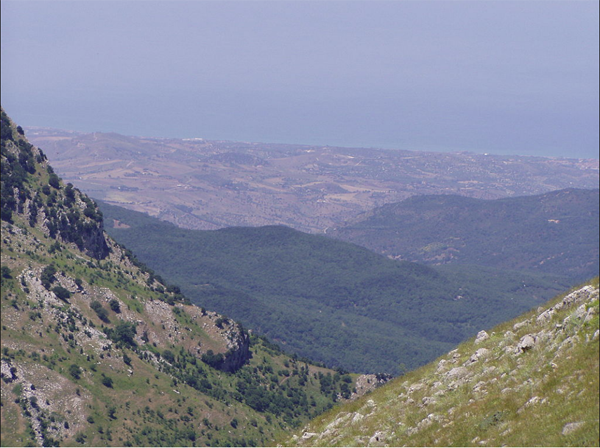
{"x":532,"y":381}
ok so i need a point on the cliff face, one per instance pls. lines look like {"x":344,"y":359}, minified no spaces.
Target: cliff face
{"x":531,"y":381}
{"x":31,"y":189}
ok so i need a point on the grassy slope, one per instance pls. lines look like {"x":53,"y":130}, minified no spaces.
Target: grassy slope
{"x":545,"y":396}
{"x":335,"y":302}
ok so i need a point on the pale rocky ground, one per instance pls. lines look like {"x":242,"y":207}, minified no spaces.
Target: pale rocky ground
{"x":55,"y":396}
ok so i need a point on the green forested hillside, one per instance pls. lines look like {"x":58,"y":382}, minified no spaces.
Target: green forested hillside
{"x":332,"y":301}
{"x":97,"y":350}
{"x":555,"y":232}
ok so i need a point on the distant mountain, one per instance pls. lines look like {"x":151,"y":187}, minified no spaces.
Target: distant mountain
{"x":204,"y":184}
{"x":97,"y":350}
{"x":555,"y":232}
{"x":532,"y":381}
{"x":332,"y":301}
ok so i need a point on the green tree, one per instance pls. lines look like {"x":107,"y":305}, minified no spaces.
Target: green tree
{"x":62,"y":293}
{"x":124,"y":333}
{"x":54,"y":181}
{"x":107,"y":381}
{"x":47,"y":276}
{"x":168,"y":356}
{"x":114,"y":305}
{"x":6,"y":272}
{"x":100,"y":311}
{"x":75,"y":371}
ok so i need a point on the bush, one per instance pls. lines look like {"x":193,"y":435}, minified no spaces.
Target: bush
{"x":47,"y":276}
{"x":107,"y":381}
{"x":114,"y":305}
{"x":54,"y":181}
{"x":75,"y":371}
{"x":62,"y":293}
{"x":100,"y":311}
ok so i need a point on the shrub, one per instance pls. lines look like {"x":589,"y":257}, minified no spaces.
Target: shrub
{"x":47,"y":276}
{"x":107,"y":381}
{"x":54,"y":181}
{"x":62,"y":293}
{"x":114,"y":305}
{"x":75,"y":371}
{"x":100,"y":311}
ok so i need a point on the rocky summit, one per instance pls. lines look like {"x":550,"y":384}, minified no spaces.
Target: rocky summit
{"x":529,"y":382}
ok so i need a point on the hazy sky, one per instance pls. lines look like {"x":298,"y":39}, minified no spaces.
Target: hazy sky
{"x":509,"y":77}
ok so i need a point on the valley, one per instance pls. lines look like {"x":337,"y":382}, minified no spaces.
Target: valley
{"x":334,"y":302}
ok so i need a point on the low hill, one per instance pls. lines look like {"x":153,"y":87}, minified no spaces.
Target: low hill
{"x":328,"y":300}
{"x":532,"y":381}
{"x":97,"y":350}
{"x":555,"y":232}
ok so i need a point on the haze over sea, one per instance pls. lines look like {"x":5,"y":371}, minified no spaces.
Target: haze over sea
{"x":497,"y":77}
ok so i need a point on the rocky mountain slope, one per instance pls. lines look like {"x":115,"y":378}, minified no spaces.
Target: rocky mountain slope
{"x":98,"y":350}
{"x":556,"y":232}
{"x":202,"y":184}
{"x":532,"y":381}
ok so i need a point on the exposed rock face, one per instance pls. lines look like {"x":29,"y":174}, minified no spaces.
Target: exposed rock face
{"x":526,"y":343}
{"x":481,"y":336}
{"x":94,"y":242}
{"x":62,"y":212}
{"x":368,"y":383}
{"x":238,"y":349}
